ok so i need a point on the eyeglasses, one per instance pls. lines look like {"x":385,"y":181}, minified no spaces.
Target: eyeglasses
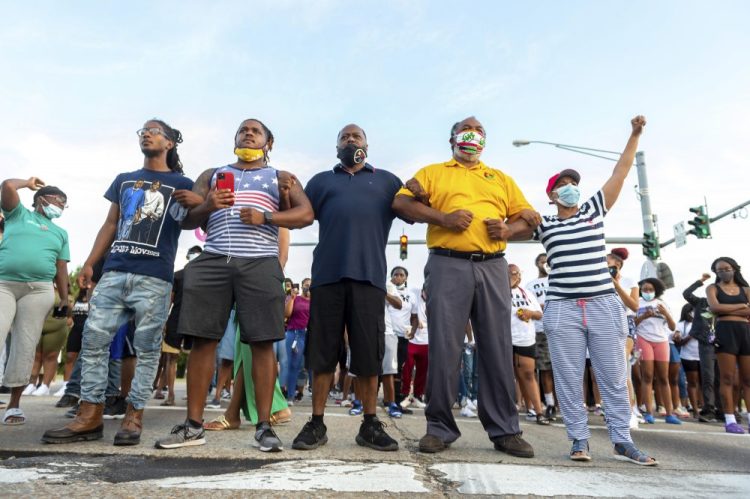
{"x":151,"y":131}
{"x":515,"y":272}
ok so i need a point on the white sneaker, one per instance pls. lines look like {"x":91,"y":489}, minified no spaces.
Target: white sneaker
{"x":41,"y":391}
{"x":633,"y":421}
{"x":474,"y":405}
{"x":61,"y":391}
{"x":29,"y":389}
{"x":405,"y":403}
{"x":471,"y":404}
{"x":418,"y":403}
{"x":346,"y":403}
{"x":531,"y":415}
{"x":467,"y":413}
{"x":681,"y":412}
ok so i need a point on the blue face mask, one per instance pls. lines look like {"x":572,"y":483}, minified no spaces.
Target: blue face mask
{"x":51,"y":211}
{"x":648,"y":296}
{"x":568,"y":195}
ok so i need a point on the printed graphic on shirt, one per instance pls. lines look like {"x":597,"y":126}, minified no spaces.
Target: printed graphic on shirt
{"x":142,"y":210}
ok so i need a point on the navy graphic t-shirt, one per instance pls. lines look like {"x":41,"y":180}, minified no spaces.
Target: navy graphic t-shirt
{"x":149,"y":224}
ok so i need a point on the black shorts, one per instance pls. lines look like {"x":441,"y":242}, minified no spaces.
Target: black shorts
{"x":360,"y":308}
{"x":733,"y":337}
{"x":529,"y":351}
{"x":73,"y":343}
{"x":691,"y":365}
{"x":213,"y":285}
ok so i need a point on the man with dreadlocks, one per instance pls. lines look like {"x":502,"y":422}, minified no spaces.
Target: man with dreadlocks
{"x":239,"y":266}
{"x":136,"y":284}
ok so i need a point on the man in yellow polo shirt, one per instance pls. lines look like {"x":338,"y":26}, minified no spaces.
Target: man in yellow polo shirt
{"x":472,"y":211}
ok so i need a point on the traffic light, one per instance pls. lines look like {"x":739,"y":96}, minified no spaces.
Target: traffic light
{"x":650,"y":245}
{"x":404,"y":244}
{"x":701,"y":223}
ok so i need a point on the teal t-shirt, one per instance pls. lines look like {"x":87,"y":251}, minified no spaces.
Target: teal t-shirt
{"x":31,"y":246}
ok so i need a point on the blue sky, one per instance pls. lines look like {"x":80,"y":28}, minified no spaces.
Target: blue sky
{"x":79,"y":79}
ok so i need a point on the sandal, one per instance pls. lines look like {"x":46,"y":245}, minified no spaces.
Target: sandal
{"x":629,"y":452}
{"x":167,"y":402}
{"x":220,"y":424}
{"x":14,"y":412}
{"x":580,"y":451}
{"x":281,"y":417}
{"x":542,"y":420}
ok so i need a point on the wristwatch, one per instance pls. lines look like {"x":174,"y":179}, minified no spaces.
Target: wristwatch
{"x":268,"y":217}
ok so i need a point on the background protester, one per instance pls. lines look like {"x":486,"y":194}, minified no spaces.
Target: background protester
{"x":654,"y":325}
{"x":79,"y":314}
{"x":297,"y":315}
{"x":539,"y":287}
{"x":417,"y":357}
{"x":689,"y":356}
{"x":702,"y":329}
{"x":401,"y":322}
{"x":34,"y":252}
{"x":628,"y":293}
{"x":729,"y":299}
{"x":524,"y":311}
{"x":54,"y":334}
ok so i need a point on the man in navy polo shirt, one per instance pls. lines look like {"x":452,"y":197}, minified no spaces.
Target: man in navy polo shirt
{"x":352,"y":204}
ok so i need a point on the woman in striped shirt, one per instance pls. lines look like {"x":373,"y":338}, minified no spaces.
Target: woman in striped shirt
{"x":582,"y":308}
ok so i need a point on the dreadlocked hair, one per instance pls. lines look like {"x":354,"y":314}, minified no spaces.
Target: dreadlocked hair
{"x":738,"y":279}
{"x":173,"y":159}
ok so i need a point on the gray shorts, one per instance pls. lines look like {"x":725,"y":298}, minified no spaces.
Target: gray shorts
{"x":214,"y":283}
{"x":390,"y":358}
{"x":543,"y":359}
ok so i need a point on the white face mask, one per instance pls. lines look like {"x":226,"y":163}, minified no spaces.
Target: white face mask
{"x":192,"y":256}
{"x":51,"y":211}
{"x":648,"y":296}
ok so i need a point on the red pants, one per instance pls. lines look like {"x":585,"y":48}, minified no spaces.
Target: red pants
{"x":416,"y":356}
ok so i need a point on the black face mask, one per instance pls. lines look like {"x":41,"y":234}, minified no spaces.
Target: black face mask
{"x":351,"y":155}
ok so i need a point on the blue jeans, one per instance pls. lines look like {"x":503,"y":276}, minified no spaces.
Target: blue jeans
{"x":295,"y":358}
{"x":113,"y":379}
{"x":117,"y":298}
{"x":470,"y":375}
{"x":279,"y":348}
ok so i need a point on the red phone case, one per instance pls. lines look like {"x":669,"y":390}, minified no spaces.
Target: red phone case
{"x":225,"y":180}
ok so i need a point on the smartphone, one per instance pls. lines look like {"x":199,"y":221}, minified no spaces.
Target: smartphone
{"x":613,"y":271}
{"x":225,"y":180}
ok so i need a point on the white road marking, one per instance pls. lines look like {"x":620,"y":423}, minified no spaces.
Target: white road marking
{"x":333,"y":475}
{"x":14,"y":475}
{"x":476,"y":478}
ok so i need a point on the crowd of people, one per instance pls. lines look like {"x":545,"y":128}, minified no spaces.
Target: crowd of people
{"x":476,"y":340}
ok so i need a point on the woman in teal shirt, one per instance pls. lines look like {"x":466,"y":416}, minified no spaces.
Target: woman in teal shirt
{"x":34,"y":252}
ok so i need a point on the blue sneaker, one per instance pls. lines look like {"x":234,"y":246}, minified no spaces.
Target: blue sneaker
{"x":394,"y":410}
{"x":648,"y":418}
{"x":356,"y":409}
{"x":672,"y":419}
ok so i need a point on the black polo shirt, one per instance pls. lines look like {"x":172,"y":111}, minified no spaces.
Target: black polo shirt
{"x":355,"y":217}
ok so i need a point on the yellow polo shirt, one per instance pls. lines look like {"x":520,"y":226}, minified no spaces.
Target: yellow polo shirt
{"x":484,"y":191}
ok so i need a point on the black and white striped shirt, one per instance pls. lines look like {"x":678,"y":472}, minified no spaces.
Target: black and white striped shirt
{"x":576,"y":252}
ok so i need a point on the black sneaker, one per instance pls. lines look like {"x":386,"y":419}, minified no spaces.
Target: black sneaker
{"x":372,"y":434}
{"x":312,"y":436}
{"x":549,"y":412}
{"x":67,"y":401}
{"x":115,"y":408}
{"x":182,"y":435}
{"x":707,"y":416}
{"x":266,"y":439}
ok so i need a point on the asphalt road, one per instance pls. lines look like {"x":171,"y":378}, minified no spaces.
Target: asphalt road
{"x":696,"y":460}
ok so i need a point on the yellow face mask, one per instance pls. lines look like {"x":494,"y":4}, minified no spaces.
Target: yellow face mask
{"x":249,"y":155}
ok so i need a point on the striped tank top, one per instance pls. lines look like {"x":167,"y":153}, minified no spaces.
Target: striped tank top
{"x":227,"y":234}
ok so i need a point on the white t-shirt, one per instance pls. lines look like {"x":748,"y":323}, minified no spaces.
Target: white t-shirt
{"x":523,"y":334}
{"x":627,"y":284}
{"x":689,"y":350}
{"x":419,"y":307}
{"x":391,"y":290}
{"x":401,"y":318}
{"x":655,"y":328}
{"x":539,"y":288}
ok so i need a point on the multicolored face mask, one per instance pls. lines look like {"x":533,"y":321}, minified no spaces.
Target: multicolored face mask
{"x":470,"y":142}
{"x":249,"y":155}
